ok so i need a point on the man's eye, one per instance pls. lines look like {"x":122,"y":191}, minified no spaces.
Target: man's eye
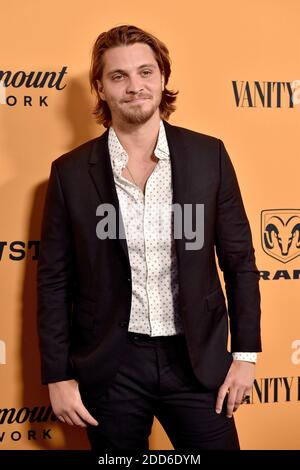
{"x":147,"y":72}
{"x":116,"y":77}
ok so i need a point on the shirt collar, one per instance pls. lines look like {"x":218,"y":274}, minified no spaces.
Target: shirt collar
{"x":119,"y":157}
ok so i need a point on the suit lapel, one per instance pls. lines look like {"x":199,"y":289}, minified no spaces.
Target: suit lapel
{"x":181,"y":177}
{"x":102,"y":175}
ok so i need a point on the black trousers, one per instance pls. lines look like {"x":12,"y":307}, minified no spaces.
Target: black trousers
{"x":155,"y":378}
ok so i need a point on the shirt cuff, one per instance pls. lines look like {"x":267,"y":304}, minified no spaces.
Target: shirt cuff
{"x":248,"y":356}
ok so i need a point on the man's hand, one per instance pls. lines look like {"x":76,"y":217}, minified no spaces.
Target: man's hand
{"x":67,"y":404}
{"x":237,"y":384}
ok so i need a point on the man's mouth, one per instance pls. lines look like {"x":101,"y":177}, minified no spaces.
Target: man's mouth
{"x":137,"y":100}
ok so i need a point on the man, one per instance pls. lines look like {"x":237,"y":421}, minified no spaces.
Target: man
{"x":132,"y":317}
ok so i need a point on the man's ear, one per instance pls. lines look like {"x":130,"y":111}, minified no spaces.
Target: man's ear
{"x":162,"y":83}
{"x":100,"y":90}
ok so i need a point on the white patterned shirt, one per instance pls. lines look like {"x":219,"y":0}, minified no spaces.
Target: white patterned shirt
{"x":148,"y":225}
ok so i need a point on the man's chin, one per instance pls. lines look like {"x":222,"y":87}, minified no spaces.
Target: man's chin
{"x":138,"y":117}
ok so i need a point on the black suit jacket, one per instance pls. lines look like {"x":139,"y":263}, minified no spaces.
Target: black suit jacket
{"x":84,"y":283}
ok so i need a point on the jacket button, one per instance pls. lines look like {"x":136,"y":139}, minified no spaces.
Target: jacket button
{"x":129,"y":279}
{"x":123,"y":323}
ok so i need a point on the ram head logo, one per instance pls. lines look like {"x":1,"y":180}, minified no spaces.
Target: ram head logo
{"x":280,"y":229}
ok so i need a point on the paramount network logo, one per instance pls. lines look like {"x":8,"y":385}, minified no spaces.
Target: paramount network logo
{"x":253,"y":94}
{"x":27,"y":80}
{"x":31,"y":416}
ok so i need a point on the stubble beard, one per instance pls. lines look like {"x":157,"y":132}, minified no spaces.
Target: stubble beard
{"x":136,"y":114}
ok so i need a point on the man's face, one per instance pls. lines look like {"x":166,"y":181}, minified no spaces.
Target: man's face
{"x":132,"y":83}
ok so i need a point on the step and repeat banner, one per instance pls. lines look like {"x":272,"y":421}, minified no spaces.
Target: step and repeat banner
{"x":236,"y":67}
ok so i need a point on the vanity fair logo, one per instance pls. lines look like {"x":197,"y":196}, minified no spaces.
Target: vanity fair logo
{"x":12,"y":81}
{"x":275,"y":390}
{"x":266,"y":94}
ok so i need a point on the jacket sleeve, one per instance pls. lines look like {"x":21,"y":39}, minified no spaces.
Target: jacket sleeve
{"x":54,"y":282}
{"x":236,"y":259}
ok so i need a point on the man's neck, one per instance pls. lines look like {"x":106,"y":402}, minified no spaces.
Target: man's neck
{"x":139,"y":141}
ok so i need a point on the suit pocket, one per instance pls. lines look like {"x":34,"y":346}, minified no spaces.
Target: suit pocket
{"x":215,"y":299}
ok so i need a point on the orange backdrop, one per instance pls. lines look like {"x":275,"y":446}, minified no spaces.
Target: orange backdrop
{"x":235,"y":65}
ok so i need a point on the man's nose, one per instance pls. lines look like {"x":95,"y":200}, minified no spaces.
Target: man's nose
{"x":134,"y":85}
